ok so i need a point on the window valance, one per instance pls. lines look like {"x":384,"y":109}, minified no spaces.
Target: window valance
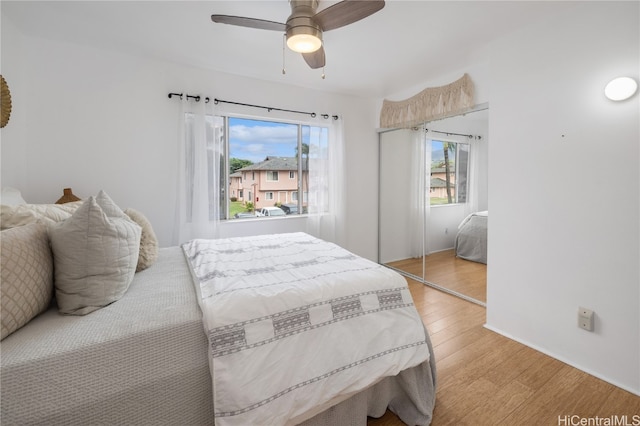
{"x":430,"y":104}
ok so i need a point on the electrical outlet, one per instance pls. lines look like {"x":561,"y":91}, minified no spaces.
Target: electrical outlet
{"x":585,"y":319}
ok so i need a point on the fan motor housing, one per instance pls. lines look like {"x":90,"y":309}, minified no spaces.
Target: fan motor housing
{"x":303,"y":25}
{"x":302,"y":12}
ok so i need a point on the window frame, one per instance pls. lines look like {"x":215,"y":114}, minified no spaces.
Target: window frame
{"x":455,"y":173}
{"x":225,"y":181}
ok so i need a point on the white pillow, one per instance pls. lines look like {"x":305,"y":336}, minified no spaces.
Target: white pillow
{"x":11,"y":197}
{"x":22,"y":214}
{"x":95,"y":253}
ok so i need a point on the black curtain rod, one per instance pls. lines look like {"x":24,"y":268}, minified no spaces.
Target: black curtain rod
{"x":449,"y":133}
{"x":195,"y":98}
{"x":312,"y":114}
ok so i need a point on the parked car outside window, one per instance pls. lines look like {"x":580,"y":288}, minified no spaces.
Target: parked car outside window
{"x":270,"y":212}
{"x":290,"y":208}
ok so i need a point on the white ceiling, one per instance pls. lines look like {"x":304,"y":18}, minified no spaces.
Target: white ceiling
{"x":399,"y":47}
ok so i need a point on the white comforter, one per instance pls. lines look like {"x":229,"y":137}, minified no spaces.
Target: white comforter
{"x":296,"y":324}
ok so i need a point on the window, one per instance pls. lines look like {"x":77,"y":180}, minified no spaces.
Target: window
{"x":237,"y":170}
{"x":268,"y":150}
{"x":449,"y":170}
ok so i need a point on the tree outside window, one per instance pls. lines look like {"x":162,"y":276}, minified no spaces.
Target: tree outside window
{"x":449,"y":170}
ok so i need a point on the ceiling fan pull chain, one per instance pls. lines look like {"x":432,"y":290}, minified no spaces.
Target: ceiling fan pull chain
{"x":323,"y":63}
{"x":284,"y":42}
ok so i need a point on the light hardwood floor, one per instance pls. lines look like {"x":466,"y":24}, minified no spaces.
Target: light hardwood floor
{"x":486,"y":379}
{"x":447,"y":270}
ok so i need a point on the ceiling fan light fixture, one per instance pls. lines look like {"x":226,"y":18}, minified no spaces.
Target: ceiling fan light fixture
{"x":304,"y":43}
{"x":303,"y":34}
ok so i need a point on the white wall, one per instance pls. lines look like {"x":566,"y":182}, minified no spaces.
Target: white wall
{"x":564,"y":190}
{"x":97,"y":119}
{"x":13,"y":154}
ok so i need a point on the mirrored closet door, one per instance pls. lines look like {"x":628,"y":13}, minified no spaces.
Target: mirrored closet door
{"x":433,"y":208}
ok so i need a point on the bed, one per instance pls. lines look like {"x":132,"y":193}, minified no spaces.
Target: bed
{"x":471,"y":239}
{"x":177,"y":349}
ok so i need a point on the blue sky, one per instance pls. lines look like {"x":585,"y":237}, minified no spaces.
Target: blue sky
{"x":254,"y":140}
{"x":437,"y":154}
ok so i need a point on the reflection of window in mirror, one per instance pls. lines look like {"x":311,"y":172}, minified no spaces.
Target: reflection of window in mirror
{"x":449,"y":170}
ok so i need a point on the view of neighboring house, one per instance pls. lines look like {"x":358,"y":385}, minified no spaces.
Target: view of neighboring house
{"x":275,"y":181}
{"x":269,"y":182}
{"x":438,"y":188}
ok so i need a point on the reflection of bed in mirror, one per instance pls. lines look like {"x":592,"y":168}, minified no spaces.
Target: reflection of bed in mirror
{"x":471,"y":239}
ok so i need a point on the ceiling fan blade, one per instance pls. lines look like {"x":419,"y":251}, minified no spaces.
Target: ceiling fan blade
{"x":315,"y":59}
{"x":242,"y":21}
{"x":346,"y":12}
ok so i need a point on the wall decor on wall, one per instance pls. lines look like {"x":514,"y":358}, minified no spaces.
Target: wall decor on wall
{"x":432,"y":103}
{"x":5,"y":99}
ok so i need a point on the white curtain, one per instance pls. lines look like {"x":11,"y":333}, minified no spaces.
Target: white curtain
{"x":471,"y":206}
{"x":420,"y":184}
{"x":326,"y":199}
{"x":200,"y":151}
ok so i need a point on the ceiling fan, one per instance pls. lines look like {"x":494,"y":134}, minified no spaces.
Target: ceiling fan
{"x":304,"y":27}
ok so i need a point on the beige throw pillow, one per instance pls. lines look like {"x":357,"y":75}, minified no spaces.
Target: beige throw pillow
{"x":26,"y":269}
{"x":95,"y":255}
{"x":148,"y":240}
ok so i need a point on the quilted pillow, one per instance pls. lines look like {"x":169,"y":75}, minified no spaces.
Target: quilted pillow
{"x":95,"y":253}
{"x":148,"y":240}
{"x":18,"y":215}
{"x":26,"y":269}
